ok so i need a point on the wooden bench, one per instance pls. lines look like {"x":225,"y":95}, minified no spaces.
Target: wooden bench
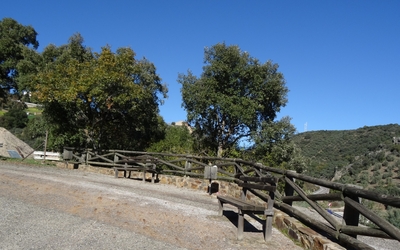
{"x":144,"y":163}
{"x":128,"y":169}
{"x":245,"y":207}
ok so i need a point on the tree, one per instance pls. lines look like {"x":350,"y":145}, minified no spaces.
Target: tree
{"x":177,"y":140}
{"x":35,"y":132}
{"x":98,"y":100}
{"x":16,"y":41}
{"x":273,"y":145}
{"x":233,"y":97}
{"x":16,"y":117}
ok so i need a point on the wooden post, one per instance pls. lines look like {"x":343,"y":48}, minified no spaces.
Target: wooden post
{"x":115,"y":159}
{"x":220,"y":208}
{"x":289,"y":191}
{"x":115,"y":173}
{"x":244,"y":192}
{"x":351,"y":215}
{"x":269,"y":214}
{"x":188,"y":165}
{"x":45,"y":146}
{"x":240,"y":225}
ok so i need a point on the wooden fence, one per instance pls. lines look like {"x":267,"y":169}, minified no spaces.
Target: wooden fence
{"x":229,"y":169}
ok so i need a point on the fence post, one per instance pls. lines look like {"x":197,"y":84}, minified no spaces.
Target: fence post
{"x":188,"y":165}
{"x":351,"y":216}
{"x":87,"y":157}
{"x":115,"y":159}
{"x":289,"y":191}
{"x":45,"y":146}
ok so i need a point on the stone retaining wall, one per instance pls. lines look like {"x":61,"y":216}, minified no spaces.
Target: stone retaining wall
{"x":306,"y":237}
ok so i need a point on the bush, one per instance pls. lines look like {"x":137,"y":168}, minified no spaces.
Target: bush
{"x":375,"y":179}
{"x":16,"y":117}
{"x":394,"y":217}
{"x":389,"y":158}
{"x":376,"y":167}
{"x":380,"y":156}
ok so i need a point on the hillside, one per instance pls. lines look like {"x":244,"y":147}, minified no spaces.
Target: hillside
{"x":365,"y":156}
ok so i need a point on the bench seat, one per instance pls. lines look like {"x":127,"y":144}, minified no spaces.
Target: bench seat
{"x":240,"y":204}
{"x":128,"y":169}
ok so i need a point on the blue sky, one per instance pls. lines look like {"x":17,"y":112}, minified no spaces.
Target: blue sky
{"x":340,"y":59}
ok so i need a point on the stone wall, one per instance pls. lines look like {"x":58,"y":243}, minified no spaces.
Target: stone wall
{"x":306,"y":237}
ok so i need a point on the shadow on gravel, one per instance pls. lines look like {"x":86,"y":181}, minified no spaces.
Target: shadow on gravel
{"x":248,"y":227}
{"x":146,"y":180}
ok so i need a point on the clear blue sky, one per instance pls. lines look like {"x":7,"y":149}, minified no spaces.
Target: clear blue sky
{"x":340,"y":59}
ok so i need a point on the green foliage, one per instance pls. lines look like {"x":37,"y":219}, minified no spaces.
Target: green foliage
{"x":354,"y":150}
{"x":16,"y":117}
{"x":394,"y":217}
{"x":35,"y":131}
{"x":15,"y":41}
{"x":231,"y":99}
{"x":98,"y":100}
{"x":273,"y":145}
{"x":380,"y":156}
{"x":177,"y":140}
{"x":389,"y":158}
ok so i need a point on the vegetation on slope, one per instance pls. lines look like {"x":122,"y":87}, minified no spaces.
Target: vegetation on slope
{"x":365,"y":156}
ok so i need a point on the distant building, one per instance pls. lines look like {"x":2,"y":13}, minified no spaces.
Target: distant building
{"x":183,"y":123}
{"x":396,"y":140}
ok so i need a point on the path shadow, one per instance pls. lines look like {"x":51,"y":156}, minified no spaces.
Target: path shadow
{"x":156,"y":180}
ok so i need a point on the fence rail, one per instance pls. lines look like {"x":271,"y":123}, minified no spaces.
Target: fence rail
{"x":229,"y":169}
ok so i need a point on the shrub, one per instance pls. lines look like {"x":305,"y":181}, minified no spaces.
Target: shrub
{"x":386,"y":175}
{"x":380,"y":156}
{"x":376,"y":167}
{"x":394,"y":217}
{"x":389,"y":158}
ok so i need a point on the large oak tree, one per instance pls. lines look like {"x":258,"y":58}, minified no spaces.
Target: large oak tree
{"x":99,"y":100}
{"x":232,"y":98}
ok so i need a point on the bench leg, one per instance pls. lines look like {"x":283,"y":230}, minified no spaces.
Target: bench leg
{"x":220,"y":208}
{"x":144,"y":175}
{"x":116,"y":173}
{"x":268,"y":228}
{"x":269,"y":213}
{"x":240,"y":225}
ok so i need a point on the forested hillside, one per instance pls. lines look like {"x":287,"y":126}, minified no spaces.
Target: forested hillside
{"x":366,"y":156}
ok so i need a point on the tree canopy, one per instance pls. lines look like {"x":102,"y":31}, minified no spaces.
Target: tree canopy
{"x":16,"y":42}
{"x":233,"y":96}
{"x":16,"y":117}
{"x":100,"y":100}
{"x":273,"y":145}
{"x":177,"y":140}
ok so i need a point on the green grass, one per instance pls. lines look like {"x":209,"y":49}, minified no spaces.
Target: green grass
{"x":29,"y":161}
{"x":34,"y":110}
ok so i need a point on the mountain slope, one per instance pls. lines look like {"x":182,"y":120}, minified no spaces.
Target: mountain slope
{"x":365,"y":156}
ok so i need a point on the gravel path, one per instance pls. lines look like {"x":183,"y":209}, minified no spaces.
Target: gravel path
{"x":52,"y":208}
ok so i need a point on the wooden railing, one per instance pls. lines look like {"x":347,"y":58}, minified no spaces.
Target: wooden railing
{"x":228,"y":169}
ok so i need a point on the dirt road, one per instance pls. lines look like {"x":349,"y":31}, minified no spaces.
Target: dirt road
{"x":52,"y":208}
